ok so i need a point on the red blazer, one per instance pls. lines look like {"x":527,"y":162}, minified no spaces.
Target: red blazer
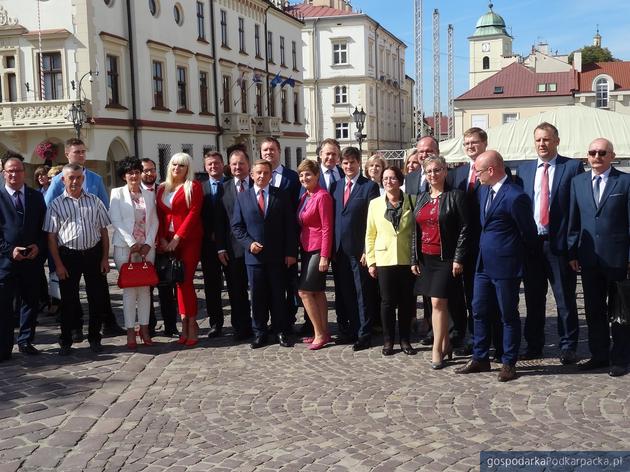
{"x":186,"y":221}
{"x":316,"y":220}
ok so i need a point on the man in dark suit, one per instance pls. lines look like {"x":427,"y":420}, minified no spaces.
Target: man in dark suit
{"x":230,"y":252}
{"x":330,"y":172}
{"x":547,"y":181}
{"x":416,"y":182}
{"x":22,"y":245}
{"x":350,"y":271}
{"x":263,"y":222}
{"x":508,"y":233}
{"x":210,"y":265}
{"x":598,"y":244}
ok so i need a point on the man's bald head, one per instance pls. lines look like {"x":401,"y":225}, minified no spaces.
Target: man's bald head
{"x":490,"y":167}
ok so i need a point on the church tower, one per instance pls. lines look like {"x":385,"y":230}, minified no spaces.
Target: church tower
{"x":488,"y":45}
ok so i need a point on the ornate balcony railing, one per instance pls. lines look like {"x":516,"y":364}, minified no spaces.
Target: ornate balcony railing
{"x":32,"y":115}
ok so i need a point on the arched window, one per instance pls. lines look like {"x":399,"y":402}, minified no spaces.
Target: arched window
{"x":601,"y":92}
{"x":287,"y":156}
{"x":486,"y":63}
{"x":298,"y":155}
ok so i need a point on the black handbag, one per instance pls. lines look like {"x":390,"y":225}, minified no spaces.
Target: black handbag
{"x":620,"y":303}
{"x":170,"y":270}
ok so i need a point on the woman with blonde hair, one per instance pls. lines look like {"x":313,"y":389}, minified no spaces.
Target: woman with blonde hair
{"x":179,"y":202}
{"x":374,"y":167}
{"x":412,"y":162}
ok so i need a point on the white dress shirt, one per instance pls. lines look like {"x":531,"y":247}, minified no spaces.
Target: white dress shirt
{"x":540,"y":169}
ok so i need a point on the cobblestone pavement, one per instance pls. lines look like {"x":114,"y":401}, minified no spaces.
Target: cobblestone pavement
{"x":222,"y":406}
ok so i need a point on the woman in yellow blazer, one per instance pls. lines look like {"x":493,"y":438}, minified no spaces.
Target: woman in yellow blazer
{"x":390,"y":225}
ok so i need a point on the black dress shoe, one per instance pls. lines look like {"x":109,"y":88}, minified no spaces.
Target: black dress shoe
{"x":77,"y":335}
{"x":407,"y":349}
{"x":96,"y":347}
{"x":428,"y":339}
{"x":214,"y":332}
{"x":362,"y":344}
{"x":618,"y":370}
{"x":568,"y":357}
{"x":28,"y":349}
{"x":530,"y":355}
{"x":593,"y":364}
{"x":169,"y":333}
{"x":474,"y":367}
{"x":258,"y":342}
{"x":113,"y":330}
{"x":507,"y":373}
{"x":285,"y":340}
{"x":387,"y":351}
{"x":465,"y":350}
{"x":343,"y":339}
{"x":65,"y":350}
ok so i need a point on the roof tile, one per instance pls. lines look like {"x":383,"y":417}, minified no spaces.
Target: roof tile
{"x":618,"y":70}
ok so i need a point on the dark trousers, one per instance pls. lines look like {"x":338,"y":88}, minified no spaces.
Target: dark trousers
{"x":20,"y":281}
{"x":87,"y":264}
{"x":168,"y":308}
{"x":396,"y":284}
{"x":212,"y":283}
{"x":598,"y":286}
{"x":292,"y":299}
{"x":108,"y":317}
{"x":354,"y":315}
{"x":267,"y":284}
{"x":542,"y":267}
{"x":236,"y":281}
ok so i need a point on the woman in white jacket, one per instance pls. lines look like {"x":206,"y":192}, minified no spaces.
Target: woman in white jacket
{"x":133,"y":215}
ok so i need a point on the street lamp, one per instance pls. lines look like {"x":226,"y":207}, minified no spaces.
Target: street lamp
{"x":359,"y":121}
{"x":77,"y":113}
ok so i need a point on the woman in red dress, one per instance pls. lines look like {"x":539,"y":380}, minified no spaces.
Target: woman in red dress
{"x":179,"y":202}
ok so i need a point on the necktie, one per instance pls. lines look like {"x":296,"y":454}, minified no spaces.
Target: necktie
{"x":150,"y":189}
{"x":346,"y":193}
{"x":213,"y":188}
{"x":598,"y":180}
{"x":331,"y":178}
{"x":544,"y":196}
{"x":473,"y":178}
{"x":19,"y":208}
{"x":422,"y":182}
{"x":489,"y":201}
{"x":242,"y":186}
{"x":261,"y":202}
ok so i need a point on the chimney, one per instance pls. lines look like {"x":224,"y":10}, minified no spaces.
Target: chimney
{"x":577,"y":61}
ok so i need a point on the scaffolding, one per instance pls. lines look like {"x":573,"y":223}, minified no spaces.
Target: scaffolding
{"x":436,"y":75}
{"x":451,"y":84}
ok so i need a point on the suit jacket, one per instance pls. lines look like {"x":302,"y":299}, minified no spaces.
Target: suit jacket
{"x":600,"y":236}
{"x":93,"y":183}
{"x":559,"y":197}
{"x":316,"y":222}
{"x":16,"y":231}
{"x":223,"y":235}
{"x":322,"y":180}
{"x":276,"y":231}
{"x":351,"y":221}
{"x":508,"y":232}
{"x":384,"y":246}
{"x":210,"y":207}
{"x":290,"y":183}
{"x":412,"y":183}
{"x":186,"y":220}
{"x":123,"y":217}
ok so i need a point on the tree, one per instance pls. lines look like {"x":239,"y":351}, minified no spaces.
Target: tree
{"x":592,"y":54}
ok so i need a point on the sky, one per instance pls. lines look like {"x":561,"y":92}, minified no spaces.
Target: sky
{"x":566,"y":25}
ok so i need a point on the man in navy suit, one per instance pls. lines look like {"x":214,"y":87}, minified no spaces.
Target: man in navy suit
{"x":22,"y":245}
{"x":230,"y":252}
{"x":330,"y":172}
{"x":210,"y":265}
{"x":547,"y":181}
{"x":598,"y":244}
{"x":508,"y":234}
{"x":264,"y":225}
{"x":416,"y":182}
{"x":350,"y":272}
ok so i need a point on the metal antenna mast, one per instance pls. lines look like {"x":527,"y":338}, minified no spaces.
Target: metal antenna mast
{"x":436,"y":74}
{"x":418,"y":64}
{"x":451,"y":84}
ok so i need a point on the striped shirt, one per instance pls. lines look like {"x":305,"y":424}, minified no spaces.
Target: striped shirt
{"x":76,"y":221}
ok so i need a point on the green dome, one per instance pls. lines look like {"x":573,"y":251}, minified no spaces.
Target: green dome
{"x":490,"y":24}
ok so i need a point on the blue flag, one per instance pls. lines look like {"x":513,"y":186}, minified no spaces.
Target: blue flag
{"x":276,"y":80}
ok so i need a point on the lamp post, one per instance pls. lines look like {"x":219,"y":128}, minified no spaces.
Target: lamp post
{"x":359,"y":121}
{"x":77,"y":113}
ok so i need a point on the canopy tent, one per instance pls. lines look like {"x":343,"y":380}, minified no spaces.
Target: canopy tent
{"x":578,"y":125}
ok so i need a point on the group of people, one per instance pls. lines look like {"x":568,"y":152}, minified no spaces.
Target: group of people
{"x":462,"y":239}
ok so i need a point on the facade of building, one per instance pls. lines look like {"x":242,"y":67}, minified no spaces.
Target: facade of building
{"x":154,"y":78}
{"x":351,"y":61}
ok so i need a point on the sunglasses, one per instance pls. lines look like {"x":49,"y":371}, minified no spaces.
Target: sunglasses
{"x":594,"y":153}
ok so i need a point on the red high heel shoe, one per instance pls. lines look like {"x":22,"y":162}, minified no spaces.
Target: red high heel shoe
{"x":182,"y":340}
{"x":132,"y":345}
{"x":191,"y":342}
{"x":308,"y":340}
{"x":321,"y":344}
{"x":146,"y":341}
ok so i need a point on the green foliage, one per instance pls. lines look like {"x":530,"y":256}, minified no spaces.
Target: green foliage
{"x":592,"y":54}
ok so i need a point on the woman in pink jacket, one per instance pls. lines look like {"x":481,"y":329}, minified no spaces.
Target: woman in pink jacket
{"x":315,"y":216}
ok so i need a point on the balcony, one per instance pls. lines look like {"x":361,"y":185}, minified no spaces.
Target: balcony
{"x":268,"y":125}
{"x":236,"y":123}
{"x":36,"y":115}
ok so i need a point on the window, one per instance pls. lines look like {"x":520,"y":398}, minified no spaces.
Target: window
{"x":113,"y":95}
{"x":340,"y":53}
{"x":241,"y":35}
{"x":283,"y":105}
{"x":341,"y":94}
{"x":188,"y":149}
{"x":498,"y":89}
{"x":510,"y":117}
{"x":243,"y":96}
{"x":282,"y":60}
{"x":224,"y":32}
{"x":164,"y":154}
{"x":296,"y":107}
{"x":158,"y":85}
{"x":12,"y":87}
{"x":601,"y":92}
{"x":8,"y":81}
{"x":53,"y":78}
{"x":272,"y":105}
{"x":269,"y":46}
{"x":259,"y":100}
{"x":201,"y":22}
{"x":298,"y":155}
{"x":182,"y":103}
{"x":342,"y":130}
{"x":226,"y":93}
{"x":479,"y":121}
{"x":294,"y":55}
{"x":203,"y":92}
{"x":257,"y":40}
{"x":541,"y":88}
{"x":371,"y":53}
{"x":552,"y":87}
{"x":485,"y":63}
{"x":178,"y":14}
{"x":154,"y":7}
{"x":287,"y":156}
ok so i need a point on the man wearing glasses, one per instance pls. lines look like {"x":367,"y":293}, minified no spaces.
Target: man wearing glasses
{"x":598,"y":244}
